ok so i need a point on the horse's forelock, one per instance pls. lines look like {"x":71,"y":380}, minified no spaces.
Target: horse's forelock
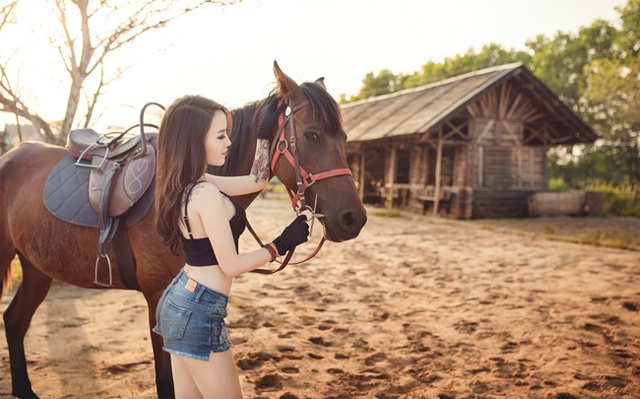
{"x":325,"y":109}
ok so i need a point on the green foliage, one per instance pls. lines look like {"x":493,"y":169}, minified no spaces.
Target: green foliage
{"x":629,"y":38}
{"x":618,"y":200}
{"x":560,"y":61}
{"x":558,"y":184}
{"x":393,"y":213}
{"x":489,"y":55}
{"x":387,"y":82}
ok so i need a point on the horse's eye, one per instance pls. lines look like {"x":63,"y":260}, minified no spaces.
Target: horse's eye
{"x":311,"y":136}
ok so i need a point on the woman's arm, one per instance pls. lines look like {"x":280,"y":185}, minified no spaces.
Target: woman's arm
{"x":257,"y":179}
{"x":211,"y":209}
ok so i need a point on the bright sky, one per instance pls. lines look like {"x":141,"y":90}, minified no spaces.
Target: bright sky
{"x":228,"y":55}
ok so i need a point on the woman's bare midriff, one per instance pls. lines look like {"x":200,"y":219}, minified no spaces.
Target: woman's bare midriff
{"x":211,"y":277}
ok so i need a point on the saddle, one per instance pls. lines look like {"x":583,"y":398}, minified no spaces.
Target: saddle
{"x":121,"y":171}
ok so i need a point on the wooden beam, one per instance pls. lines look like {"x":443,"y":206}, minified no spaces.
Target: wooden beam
{"x":519,"y":164}
{"x":362,"y":177}
{"x":457,"y":130}
{"x":486,"y":129}
{"x":515,"y":138}
{"x":480,"y":165}
{"x":531,"y":166}
{"x":438,"y":171}
{"x":391,"y":173}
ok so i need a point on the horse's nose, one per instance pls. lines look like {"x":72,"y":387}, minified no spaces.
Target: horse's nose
{"x":351,"y":221}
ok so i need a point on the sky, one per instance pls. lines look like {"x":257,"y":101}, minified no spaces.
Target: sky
{"x":228,"y":54}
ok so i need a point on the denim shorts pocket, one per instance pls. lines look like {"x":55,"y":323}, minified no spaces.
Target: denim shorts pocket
{"x":173,"y":321}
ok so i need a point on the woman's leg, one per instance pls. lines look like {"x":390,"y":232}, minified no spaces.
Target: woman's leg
{"x":216,"y":378}
{"x":183,"y":383}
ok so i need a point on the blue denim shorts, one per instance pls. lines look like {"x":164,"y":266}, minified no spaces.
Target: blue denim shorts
{"x":190,"y":318}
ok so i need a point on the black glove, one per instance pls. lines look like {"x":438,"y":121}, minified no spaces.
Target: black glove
{"x":268,"y":117}
{"x":292,"y":236}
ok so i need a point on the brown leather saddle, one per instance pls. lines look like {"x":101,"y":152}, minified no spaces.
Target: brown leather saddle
{"x":121,"y":171}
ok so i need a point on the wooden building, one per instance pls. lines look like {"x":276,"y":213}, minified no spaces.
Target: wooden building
{"x":477,"y":143}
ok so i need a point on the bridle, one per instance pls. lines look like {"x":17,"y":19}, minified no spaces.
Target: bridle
{"x":288,"y":147}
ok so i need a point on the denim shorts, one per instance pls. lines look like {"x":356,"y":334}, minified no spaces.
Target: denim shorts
{"x":190,"y":318}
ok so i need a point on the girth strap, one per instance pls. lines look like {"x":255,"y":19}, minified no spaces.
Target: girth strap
{"x":108,"y":225}
{"x":112,"y":231}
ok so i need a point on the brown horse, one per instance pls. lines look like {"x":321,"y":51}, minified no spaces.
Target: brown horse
{"x":49,"y":248}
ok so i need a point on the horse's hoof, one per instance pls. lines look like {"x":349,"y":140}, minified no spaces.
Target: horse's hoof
{"x":27,"y":394}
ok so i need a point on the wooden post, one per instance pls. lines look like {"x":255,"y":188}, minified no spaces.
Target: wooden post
{"x":532,"y":154}
{"x":392,"y":176}
{"x":480,"y":166}
{"x":519,"y":164}
{"x":436,"y":201}
{"x":485,"y":130}
{"x":362,"y":177}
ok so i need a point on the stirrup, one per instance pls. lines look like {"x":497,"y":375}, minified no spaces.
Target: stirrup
{"x":89,"y":165}
{"x":96,"y":280}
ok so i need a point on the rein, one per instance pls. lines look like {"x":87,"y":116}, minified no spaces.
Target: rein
{"x":289,"y":149}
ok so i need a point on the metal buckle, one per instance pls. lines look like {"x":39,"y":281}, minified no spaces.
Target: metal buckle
{"x":286,"y":146}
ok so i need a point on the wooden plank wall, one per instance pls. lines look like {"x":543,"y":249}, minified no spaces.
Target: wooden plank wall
{"x":497,"y":157}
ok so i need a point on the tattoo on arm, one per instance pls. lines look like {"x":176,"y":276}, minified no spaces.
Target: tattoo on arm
{"x":261,"y":169}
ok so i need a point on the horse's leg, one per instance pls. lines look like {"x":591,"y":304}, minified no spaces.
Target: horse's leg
{"x":164,"y":380}
{"x":34,"y":288}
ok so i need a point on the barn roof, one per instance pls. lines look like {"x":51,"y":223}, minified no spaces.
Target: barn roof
{"x":423,"y":110}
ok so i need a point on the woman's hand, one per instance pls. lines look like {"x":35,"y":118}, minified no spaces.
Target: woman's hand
{"x":293,"y":235}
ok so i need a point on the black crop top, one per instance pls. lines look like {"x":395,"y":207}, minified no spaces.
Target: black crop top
{"x":199,"y":252}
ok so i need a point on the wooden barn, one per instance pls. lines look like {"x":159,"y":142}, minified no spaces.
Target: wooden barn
{"x":473,"y":146}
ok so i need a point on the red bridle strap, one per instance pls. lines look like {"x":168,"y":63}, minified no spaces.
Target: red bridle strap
{"x":288,"y":148}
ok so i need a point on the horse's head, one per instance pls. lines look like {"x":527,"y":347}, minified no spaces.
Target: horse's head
{"x":315,"y":122}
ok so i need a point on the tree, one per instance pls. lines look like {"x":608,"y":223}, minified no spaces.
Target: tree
{"x":89,"y":32}
{"x":560,"y":61}
{"x":376,"y":85}
{"x":490,"y":55}
{"x":613,"y":90}
{"x":386,"y":82}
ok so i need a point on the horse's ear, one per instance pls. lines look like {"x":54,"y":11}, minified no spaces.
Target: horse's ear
{"x":320,"y":82}
{"x":287,"y":86}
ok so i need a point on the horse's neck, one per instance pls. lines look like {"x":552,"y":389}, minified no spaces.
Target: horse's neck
{"x":242,"y":151}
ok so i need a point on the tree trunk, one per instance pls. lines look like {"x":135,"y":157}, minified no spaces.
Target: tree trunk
{"x":72,"y":108}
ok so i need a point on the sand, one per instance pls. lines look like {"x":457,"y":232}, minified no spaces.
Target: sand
{"x":415,"y":307}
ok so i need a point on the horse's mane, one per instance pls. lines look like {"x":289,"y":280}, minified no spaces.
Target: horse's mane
{"x":325,"y":110}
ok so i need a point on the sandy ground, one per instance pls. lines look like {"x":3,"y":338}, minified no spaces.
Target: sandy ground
{"x":416,"y":307}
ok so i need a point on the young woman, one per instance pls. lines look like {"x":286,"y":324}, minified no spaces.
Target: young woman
{"x":196,"y":210}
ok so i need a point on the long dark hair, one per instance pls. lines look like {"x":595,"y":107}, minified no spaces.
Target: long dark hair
{"x":182,"y":158}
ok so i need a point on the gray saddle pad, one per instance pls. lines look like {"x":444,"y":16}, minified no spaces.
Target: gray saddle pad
{"x":66,"y":195}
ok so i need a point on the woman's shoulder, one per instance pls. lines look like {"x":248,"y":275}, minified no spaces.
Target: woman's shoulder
{"x":205,"y":192}
{"x":205,"y":188}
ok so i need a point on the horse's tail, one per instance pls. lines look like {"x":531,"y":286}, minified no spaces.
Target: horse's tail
{"x":7,"y":250}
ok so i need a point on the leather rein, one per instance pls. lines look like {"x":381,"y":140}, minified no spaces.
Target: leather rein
{"x":288,"y":148}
